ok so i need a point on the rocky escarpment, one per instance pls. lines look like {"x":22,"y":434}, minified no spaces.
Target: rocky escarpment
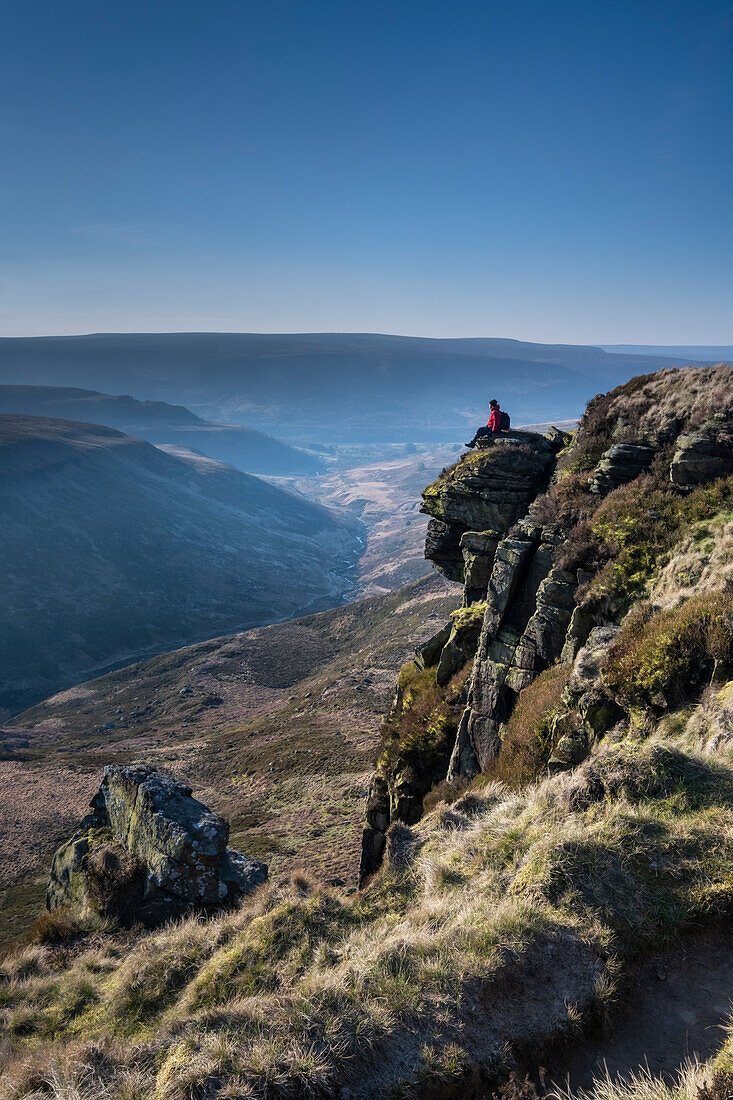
{"x":149,"y":851}
{"x":550,"y":574}
{"x":473,"y":504}
{"x":487,"y":491}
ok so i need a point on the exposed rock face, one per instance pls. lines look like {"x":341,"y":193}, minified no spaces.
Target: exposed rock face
{"x":703,"y":455}
{"x":530,"y":620}
{"x":462,"y":642}
{"x":489,"y":489}
{"x":529,"y":606}
{"x":428,"y":654}
{"x":147,"y":833}
{"x":589,"y":710}
{"x":621,"y":463}
{"x":478,"y":549}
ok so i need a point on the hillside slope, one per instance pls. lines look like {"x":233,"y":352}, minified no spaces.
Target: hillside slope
{"x":279,"y":725}
{"x":158,"y":422}
{"x":330,"y":386}
{"x":111,"y":547}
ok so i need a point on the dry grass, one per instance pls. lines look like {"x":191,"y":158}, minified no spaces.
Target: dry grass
{"x":659,"y":405}
{"x":696,"y":1081}
{"x":301,"y":989}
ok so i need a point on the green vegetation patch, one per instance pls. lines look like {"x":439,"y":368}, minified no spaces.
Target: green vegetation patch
{"x":471,"y":616}
{"x":423,"y":730}
{"x":527,"y":740}
{"x":636,"y":527}
{"x":665,"y":657}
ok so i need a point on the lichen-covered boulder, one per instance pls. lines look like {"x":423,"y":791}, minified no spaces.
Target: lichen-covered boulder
{"x":93,"y":874}
{"x":146,"y":827}
{"x":620,"y":464}
{"x":703,"y":455}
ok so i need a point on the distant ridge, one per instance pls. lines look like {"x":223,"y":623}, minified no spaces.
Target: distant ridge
{"x":709,"y":353}
{"x":332,"y":386}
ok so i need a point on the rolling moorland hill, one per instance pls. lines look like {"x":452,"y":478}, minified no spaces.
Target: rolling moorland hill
{"x":550,"y":822}
{"x":331,"y":386}
{"x":161,"y":423}
{"x":112,"y":548}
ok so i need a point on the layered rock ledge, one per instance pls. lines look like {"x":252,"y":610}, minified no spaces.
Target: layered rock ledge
{"x":486,"y":491}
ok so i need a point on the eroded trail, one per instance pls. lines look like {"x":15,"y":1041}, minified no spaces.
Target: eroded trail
{"x":675,"y":1010}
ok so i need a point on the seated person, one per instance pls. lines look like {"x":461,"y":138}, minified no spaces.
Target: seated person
{"x":494,"y":425}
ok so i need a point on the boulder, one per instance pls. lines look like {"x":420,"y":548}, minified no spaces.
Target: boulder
{"x":620,"y":464}
{"x":703,"y":455}
{"x":146,"y":834}
{"x":557,"y":438}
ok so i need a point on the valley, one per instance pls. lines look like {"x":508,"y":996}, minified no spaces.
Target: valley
{"x":384,"y":496}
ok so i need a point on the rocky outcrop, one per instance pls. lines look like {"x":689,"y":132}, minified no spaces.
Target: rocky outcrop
{"x":703,"y":455}
{"x":373,"y":837}
{"x":478,"y":549}
{"x":488,"y":490}
{"x":149,"y":851}
{"x":529,"y":606}
{"x":620,"y":464}
{"x":428,"y":654}
{"x":523,"y":576}
{"x":588,"y":710}
{"x":461,"y":643}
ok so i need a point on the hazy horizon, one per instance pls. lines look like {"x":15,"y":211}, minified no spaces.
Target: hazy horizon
{"x":619,"y":346}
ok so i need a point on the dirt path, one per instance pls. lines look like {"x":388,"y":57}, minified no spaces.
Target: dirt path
{"x":675,"y":1010}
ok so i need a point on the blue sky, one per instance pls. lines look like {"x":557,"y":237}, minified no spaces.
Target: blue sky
{"x":554,"y":171}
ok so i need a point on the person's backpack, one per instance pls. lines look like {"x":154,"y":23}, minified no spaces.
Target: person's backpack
{"x":506,"y":421}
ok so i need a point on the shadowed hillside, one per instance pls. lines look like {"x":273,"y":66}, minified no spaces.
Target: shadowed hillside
{"x":161,"y":423}
{"x":111,"y":548}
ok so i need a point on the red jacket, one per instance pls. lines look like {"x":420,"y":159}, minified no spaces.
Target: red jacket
{"x":495,"y":419}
